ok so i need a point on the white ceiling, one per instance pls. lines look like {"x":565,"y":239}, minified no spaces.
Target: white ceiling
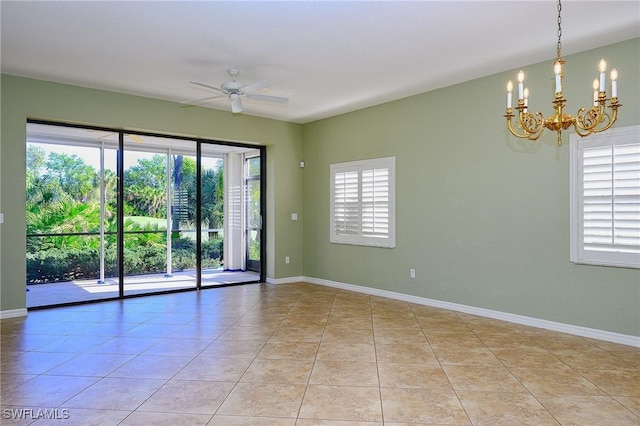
{"x":328,"y":57}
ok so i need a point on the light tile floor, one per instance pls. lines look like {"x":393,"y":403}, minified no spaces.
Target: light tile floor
{"x":300,"y":354}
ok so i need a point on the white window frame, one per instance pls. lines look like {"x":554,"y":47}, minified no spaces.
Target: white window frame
{"x":356,"y":236}
{"x":607,"y":254}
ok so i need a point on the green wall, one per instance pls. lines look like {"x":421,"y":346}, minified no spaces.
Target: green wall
{"x":25,"y":98}
{"x":483,"y":217}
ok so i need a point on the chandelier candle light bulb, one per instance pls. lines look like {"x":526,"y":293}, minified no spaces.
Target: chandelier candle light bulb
{"x":603,"y":69}
{"x":557,"y":69}
{"x":587,"y":121}
{"x":520,"y":84}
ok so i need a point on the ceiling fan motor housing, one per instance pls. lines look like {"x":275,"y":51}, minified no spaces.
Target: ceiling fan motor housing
{"x":232,"y":86}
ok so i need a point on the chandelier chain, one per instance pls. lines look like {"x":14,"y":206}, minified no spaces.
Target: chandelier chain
{"x":559,"y":50}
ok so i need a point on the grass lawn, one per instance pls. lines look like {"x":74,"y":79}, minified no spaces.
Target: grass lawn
{"x":144,"y":220}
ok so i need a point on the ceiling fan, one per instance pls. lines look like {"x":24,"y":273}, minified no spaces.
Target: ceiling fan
{"x":235,"y":90}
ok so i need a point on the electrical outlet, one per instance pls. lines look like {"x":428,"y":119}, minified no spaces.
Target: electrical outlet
{"x":286,"y":259}
{"x":412,"y":273}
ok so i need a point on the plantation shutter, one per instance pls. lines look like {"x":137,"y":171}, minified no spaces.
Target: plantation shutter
{"x":608,"y":199}
{"x":375,"y":203}
{"x":611,"y":198}
{"x":346,"y":211}
{"x":363,"y":202}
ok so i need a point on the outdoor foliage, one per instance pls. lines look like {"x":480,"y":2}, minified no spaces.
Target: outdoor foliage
{"x":63,"y":217}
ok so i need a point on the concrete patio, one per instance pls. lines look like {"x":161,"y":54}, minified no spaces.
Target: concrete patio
{"x":85,"y":290}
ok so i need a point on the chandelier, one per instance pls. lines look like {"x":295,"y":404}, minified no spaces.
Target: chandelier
{"x":587,"y":121}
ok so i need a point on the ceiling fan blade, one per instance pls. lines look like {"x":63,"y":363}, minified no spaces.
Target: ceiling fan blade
{"x":269,"y":98}
{"x":201,"y":100}
{"x":236,"y":105}
{"x":209,"y":86}
{"x":254,"y":87}
{"x":105,"y":136}
{"x":135,"y":138}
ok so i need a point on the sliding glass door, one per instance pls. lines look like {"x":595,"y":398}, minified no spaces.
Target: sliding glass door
{"x":113,"y":214}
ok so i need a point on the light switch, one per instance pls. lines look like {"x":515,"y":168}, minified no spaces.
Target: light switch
{"x":1,"y":217}
{"x":294,"y":216}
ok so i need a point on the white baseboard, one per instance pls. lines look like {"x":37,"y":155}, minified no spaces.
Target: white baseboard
{"x":593,"y":333}
{"x":13,"y":313}
{"x":287,"y":280}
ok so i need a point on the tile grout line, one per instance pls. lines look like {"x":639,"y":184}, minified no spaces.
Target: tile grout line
{"x":315,"y":359}
{"x":375,"y":349}
{"x":446,"y":375}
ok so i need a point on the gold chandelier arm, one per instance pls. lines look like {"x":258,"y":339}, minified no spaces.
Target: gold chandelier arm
{"x":595,"y":119}
{"x":530,"y":124}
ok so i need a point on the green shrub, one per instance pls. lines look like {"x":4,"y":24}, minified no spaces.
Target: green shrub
{"x":145,"y":260}
{"x":212,"y":249}
{"x":141,"y":256}
{"x":62,"y":265}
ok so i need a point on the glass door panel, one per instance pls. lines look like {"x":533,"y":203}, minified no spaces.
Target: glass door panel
{"x":183,"y":219}
{"x":159,"y":207}
{"x":253,"y":214}
{"x":71,"y":201}
{"x":212,"y":216}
